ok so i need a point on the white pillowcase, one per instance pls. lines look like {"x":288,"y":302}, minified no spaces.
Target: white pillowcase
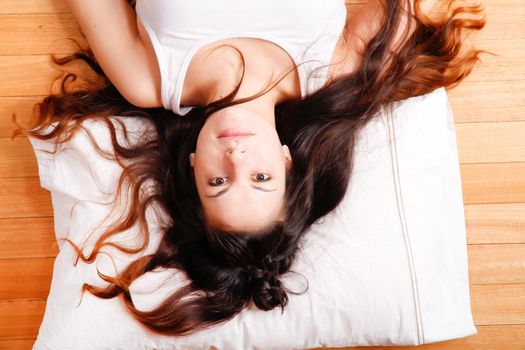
{"x":387,"y":267}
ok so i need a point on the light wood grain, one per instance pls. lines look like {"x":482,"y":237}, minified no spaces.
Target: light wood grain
{"x":495,"y":223}
{"x":491,"y":142}
{"x":23,"y":197}
{"x":496,"y":263}
{"x":504,"y":20}
{"x":25,"y":278}
{"x":39,"y":34}
{"x":26,"y":344}
{"x":35,"y":75}
{"x":494,"y":304}
{"x":493,"y":183}
{"x":20,"y":318}
{"x":27,"y":238}
{"x":33,"y":6}
{"x":506,"y":66}
{"x":17,"y":158}
{"x":26,"y":75}
{"x":485,"y":102}
{"x":22,"y":107}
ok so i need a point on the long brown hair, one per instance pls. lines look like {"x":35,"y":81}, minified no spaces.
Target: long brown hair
{"x":232,"y":269}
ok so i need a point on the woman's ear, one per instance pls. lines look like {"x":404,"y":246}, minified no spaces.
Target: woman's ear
{"x":287,"y":157}
{"x":192,"y":159}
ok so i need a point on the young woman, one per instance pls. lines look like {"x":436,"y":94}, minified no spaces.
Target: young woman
{"x":255,"y":108}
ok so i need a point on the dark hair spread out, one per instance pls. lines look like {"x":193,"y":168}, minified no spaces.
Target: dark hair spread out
{"x":228,"y":270}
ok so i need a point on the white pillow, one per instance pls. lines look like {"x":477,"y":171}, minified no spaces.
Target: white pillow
{"x":387,"y":267}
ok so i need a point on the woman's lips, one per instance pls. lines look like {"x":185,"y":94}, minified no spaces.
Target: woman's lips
{"x":235,"y":133}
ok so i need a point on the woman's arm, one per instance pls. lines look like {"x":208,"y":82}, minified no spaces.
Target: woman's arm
{"x":113,"y":35}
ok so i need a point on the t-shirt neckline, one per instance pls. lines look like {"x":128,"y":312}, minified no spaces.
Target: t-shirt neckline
{"x":195,"y":48}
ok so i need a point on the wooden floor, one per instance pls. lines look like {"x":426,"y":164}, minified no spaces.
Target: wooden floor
{"x":490,"y":124}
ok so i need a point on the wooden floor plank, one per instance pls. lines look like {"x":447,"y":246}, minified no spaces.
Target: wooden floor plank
{"x":496,"y":263}
{"x":494,"y":304}
{"x":21,"y":106}
{"x":17,"y":158}
{"x":504,"y":20}
{"x":483,"y":102}
{"x":33,"y":6}
{"x":25,"y":278}
{"x":491,"y":142}
{"x":34,"y":75}
{"x":41,"y":34}
{"x":506,"y":54}
{"x":23,"y":197}
{"x":20,"y":318}
{"x":495,"y":223}
{"x":493,"y":183}
{"x":25,"y":344}
{"x":27,"y":238}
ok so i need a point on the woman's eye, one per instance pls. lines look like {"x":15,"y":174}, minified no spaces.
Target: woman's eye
{"x":218,"y":181}
{"x":262,"y":178}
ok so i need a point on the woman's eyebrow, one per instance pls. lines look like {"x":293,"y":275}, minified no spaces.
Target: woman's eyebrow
{"x":264,"y":189}
{"x":220,"y":193}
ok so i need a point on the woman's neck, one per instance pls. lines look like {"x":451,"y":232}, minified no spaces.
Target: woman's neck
{"x":215,"y":71}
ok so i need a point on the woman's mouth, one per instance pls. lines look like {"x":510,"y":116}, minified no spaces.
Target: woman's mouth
{"x":235,"y":133}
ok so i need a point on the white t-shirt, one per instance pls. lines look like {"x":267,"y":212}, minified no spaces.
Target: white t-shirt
{"x":307,"y":29}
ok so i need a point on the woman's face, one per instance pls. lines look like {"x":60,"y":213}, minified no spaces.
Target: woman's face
{"x":240,"y":167}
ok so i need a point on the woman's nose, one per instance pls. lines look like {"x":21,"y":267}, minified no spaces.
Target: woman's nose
{"x":235,"y":154}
